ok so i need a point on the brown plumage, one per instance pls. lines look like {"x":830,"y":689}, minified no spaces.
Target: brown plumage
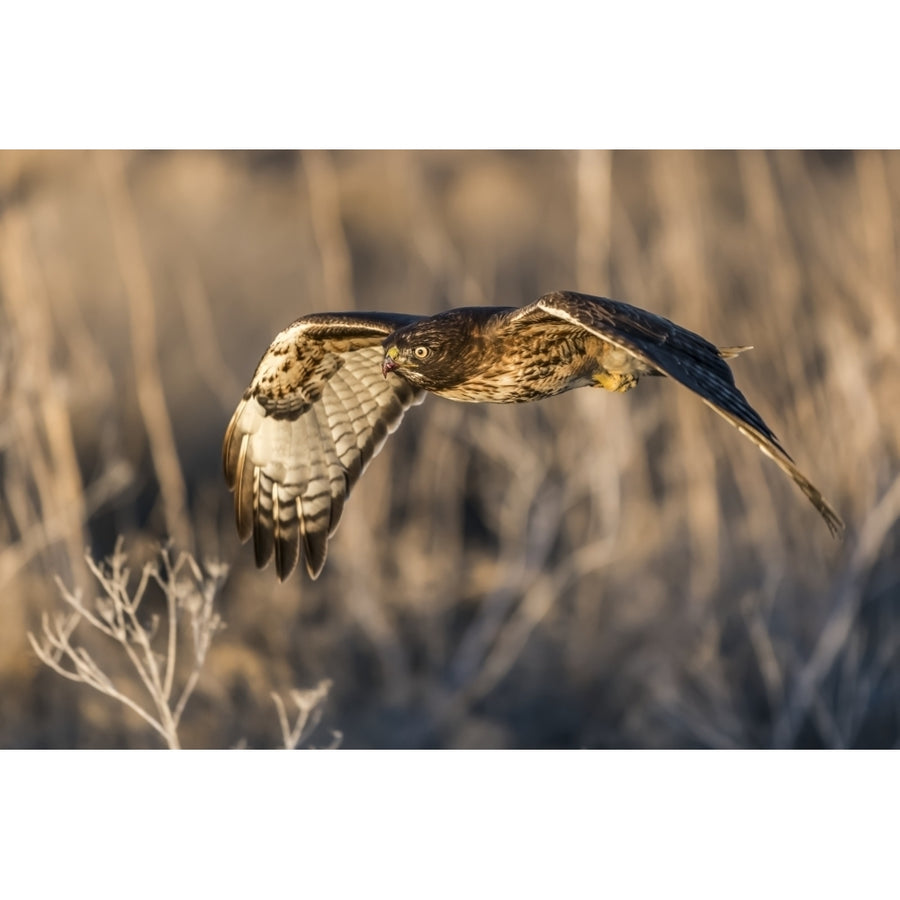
{"x":332,"y":386}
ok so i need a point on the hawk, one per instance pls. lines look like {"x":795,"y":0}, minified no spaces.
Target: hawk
{"x":332,"y":386}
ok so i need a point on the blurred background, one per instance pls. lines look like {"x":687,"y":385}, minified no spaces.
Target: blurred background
{"x":596,"y":570}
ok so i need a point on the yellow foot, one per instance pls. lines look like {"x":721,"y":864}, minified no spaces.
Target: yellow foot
{"x":612,"y":381}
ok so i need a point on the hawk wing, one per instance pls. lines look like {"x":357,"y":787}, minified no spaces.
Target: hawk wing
{"x":688,"y":358}
{"x":315,"y":414}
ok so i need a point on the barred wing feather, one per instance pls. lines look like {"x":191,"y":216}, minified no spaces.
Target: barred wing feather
{"x":316,"y":413}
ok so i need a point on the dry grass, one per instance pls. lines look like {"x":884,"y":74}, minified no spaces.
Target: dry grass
{"x":597,"y":570}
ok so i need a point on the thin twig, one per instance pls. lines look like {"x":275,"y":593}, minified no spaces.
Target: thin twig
{"x":309,"y":705}
{"x":189,"y":594}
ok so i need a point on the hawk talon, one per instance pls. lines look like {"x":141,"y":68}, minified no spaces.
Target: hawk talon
{"x":617,"y":382}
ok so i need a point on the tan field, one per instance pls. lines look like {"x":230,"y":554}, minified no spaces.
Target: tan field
{"x":595,"y":570}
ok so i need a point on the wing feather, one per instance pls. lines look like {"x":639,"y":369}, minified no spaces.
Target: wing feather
{"x":316,"y":413}
{"x":244,"y":489}
{"x":688,"y":358}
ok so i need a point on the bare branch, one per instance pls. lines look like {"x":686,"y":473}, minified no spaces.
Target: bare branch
{"x":310,"y":706}
{"x":189,"y":596}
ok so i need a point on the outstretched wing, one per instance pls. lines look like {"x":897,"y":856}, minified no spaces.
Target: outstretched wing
{"x":686,"y":357}
{"x":315,"y":414}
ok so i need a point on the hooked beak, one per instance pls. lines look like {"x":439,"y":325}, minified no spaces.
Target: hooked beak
{"x":390,"y":361}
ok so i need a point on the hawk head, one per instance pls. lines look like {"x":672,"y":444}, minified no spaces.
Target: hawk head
{"x":435,"y":354}
{"x":418,"y":363}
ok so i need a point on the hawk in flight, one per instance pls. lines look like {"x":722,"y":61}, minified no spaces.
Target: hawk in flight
{"x":332,"y":386}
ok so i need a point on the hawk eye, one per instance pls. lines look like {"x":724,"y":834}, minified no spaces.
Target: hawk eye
{"x":421,"y":352}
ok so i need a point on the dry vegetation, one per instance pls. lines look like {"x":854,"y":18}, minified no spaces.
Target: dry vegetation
{"x":596,"y":570}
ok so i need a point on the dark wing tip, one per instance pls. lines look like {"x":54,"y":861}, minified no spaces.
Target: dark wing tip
{"x":315,"y":550}
{"x":287,"y":552}
{"x":834,"y":522}
{"x":263,"y":545}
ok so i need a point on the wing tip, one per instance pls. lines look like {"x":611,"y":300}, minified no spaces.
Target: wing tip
{"x":834,"y":522}
{"x":314,"y":567}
